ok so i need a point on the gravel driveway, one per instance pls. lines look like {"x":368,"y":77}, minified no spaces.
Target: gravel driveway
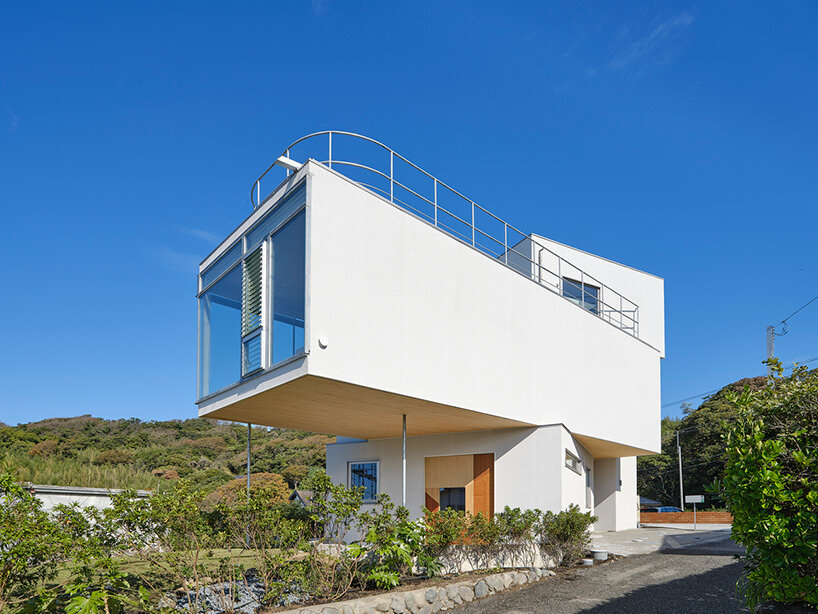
{"x":641,"y":584}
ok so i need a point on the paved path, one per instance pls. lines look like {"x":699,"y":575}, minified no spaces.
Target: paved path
{"x":666,"y":539}
{"x":640,"y":584}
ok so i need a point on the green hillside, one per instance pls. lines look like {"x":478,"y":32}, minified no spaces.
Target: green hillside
{"x":703,"y":450}
{"x":129,"y":453}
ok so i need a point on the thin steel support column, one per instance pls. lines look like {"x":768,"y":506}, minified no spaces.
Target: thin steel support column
{"x":403,"y":480}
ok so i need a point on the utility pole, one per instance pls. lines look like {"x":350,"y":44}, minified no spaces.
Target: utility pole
{"x":681,"y":483}
{"x":770,"y":347}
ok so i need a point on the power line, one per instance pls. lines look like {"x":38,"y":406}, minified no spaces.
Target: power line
{"x":673,"y":469}
{"x":709,"y":392}
{"x":695,"y":396}
{"x":799,"y":309}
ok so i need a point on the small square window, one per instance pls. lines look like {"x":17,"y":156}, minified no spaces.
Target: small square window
{"x":453,"y":498}
{"x":572,"y":462}
{"x":364,"y":474}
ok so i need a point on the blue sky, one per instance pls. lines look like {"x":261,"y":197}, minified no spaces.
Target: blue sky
{"x":675,"y":137}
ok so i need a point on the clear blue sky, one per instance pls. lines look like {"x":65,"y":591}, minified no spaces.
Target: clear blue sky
{"x":675,"y":137}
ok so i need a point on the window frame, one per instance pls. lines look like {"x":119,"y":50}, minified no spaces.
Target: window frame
{"x":377,"y":464}
{"x":266,"y":320}
{"x":582,"y":286}
{"x":573,"y":462}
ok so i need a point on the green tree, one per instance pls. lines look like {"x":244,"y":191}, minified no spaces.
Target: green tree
{"x":31,"y":543}
{"x":771,"y":486}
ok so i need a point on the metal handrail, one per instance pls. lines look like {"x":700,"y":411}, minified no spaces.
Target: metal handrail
{"x":603,"y":302}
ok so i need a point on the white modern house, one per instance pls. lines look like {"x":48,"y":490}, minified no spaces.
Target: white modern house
{"x":461,"y":362}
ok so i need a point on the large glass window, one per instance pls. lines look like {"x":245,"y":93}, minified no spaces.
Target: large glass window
{"x":364,"y":475}
{"x":252,"y":316}
{"x":288,"y":289}
{"x":584,"y":295}
{"x":220,"y":329}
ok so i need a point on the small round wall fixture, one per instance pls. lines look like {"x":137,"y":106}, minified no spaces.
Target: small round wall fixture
{"x":323,"y":342}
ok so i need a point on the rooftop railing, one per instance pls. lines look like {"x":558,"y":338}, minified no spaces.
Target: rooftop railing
{"x":385,"y":172}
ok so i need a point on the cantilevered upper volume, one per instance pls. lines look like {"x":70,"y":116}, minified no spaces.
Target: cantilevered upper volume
{"x":362,"y":288}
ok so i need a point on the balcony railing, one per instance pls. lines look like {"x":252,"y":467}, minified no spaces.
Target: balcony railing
{"x":385,"y":172}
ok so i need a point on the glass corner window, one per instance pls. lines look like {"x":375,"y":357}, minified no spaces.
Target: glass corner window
{"x":252,"y":312}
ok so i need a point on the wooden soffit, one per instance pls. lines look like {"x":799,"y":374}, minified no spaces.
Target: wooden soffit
{"x":322,"y":405}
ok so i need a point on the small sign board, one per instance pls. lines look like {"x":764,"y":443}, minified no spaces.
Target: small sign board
{"x":694,"y":498}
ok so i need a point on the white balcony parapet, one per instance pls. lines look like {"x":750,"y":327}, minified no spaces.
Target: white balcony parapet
{"x":440,"y":205}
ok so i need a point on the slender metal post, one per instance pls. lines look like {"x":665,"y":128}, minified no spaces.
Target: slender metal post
{"x":681,"y":483}
{"x":391,"y":176}
{"x":473,"y":242}
{"x":505,"y":241}
{"x":249,"y":433}
{"x":435,"y":202}
{"x":403,"y":480}
{"x":330,"y":149}
{"x":770,"y":347}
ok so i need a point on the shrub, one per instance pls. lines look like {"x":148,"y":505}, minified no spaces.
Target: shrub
{"x":516,"y":531}
{"x":30,"y":543}
{"x":113,"y":457}
{"x":229,"y":493}
{"x":274,"y":539}
{"x":564,"y":537}
{"x":441,"y":531}
{"x":484,"y":544}
{"x":392,"y":543}
{"x":770,"y":485}
{"x":44,"y":448}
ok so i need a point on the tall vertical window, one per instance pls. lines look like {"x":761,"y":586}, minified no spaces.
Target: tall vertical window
{"x":220,"y":327}
{"x":364,"y":475}
{"x":288,"y":289}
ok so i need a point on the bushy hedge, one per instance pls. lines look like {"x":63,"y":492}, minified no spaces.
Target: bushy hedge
{"x":770,"y":485}
{"x":127,"y":557}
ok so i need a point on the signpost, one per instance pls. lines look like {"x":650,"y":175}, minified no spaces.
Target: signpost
{"x":694,"y":499}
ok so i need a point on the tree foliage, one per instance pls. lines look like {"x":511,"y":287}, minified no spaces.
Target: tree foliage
{"x":703,"y":455}
{"x":771,"y":485}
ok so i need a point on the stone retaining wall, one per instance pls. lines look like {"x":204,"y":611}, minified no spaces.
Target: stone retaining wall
{"x":430,"y":599}
{"x":686,"y":517}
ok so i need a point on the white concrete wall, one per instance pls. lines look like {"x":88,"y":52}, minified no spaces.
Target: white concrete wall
{"x":527,"y":468}
{"x":573,"y":484}
{"x":407,"y":309}
{"x":529,"y":471}
{"x":616,"y":503}
{"x":644,"y":289}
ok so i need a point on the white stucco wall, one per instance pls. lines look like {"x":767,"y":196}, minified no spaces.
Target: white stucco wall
{"x":408,"y":309}
{"x":529,"y":470}
{"x":616,"y":504}
{"x":644,"y":289}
